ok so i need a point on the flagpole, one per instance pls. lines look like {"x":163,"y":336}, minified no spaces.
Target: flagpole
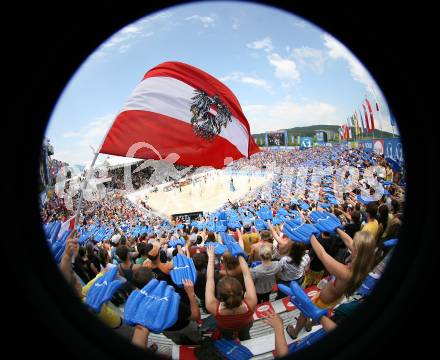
{"x":371,"y":122}
{"x":88,"y":174}
{"x":380,"y":114}
{"x":90,"y":171}
{"x":354,"y":127}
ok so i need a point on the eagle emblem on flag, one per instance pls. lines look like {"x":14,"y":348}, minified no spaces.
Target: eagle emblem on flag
{"x":209,"y":115}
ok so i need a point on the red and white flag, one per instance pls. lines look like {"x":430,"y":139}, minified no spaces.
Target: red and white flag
{"x":366,"y":119}
{"x":371,"y":114}
{"x":180,"y":109}
{"x":69,"y":224}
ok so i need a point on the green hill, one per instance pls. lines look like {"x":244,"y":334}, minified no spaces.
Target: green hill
{"x":310,"y":131}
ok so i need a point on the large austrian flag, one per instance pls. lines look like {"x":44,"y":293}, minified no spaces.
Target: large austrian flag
{"x":180,"y":109}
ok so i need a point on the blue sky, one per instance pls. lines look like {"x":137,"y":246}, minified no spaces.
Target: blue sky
{"x":285,"y":71}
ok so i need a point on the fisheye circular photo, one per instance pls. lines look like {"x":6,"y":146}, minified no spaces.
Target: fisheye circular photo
{"x":222,"y":180}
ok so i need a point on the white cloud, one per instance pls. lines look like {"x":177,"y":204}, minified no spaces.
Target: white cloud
{"x":96,"y":130}
{"x":312,"y":57}
{"x":247,"y":79}
{"x":207,"y":21}
{"x":254,"y":81}
{"x":265,"y":44}
{"x":77,"y":149}
{"x":285,"y":69}
{"x":287,"y":114}
{"x":336,"y":50}
{"x":116,"y":39}
{"x":69,"y":134}
{"x":131,"y":29}
{"x":300,"y":23}
{"x":122,"y":40}
{"x":159,"y":16}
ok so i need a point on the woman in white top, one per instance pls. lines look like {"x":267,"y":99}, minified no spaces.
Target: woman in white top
{"x":292,"y":266}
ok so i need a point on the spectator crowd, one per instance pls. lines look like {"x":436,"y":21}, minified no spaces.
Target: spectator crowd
{"x":221,"y":302}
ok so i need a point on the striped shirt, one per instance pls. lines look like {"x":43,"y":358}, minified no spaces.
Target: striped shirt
{"x":290,"y":271}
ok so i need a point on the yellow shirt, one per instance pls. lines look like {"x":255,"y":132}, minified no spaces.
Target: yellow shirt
{"x":110,"y":317}
{"x":389,"y":174}
{"x":372,"y":227}
{"x":248,"y":240}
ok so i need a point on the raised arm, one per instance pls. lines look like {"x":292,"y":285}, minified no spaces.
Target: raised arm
{"x":189,"y":289}
{"x":251,"y":294}
{"x":327,"y":323}
{"x":273,"y":319}
{"x":347,"y":215}
{"x":140,"y":336}
{"x":240,"y":238}
{"x":204,"y":235}
{"x":348,"y":241}
{"x":211,"y":301}
{"x":70,"y":253}
{"x":180,"y":251}
{"x":272,"y":229}
{"x":333,"y":266}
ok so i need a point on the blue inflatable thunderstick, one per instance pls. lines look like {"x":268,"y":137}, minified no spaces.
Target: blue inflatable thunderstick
{"x":368,"y":284}
{"x":183,"y":268}
{"x":260,"y":225}
{"x":155,"y":307}
{"x":233,"y":246}
{"x":103,"y":289}
{"x":174,"y":243}
{"x":232,"y":350}
{"x":234,"y":224}
{"x":300,"y":299}
{"x":390,"y":243}
{"x":301,"y":233}
{"x":306,"y":341}
{"x":219,"y":248}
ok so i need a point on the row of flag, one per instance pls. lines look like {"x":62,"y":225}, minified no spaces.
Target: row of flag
{"x":359,"y":123}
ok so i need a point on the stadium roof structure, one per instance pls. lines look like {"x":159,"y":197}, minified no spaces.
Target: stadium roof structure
{"x":112,"y":161}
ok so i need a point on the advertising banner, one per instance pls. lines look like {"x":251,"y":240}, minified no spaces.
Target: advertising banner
{"x":378,"y":146}
{"x":393,"y":149}
{"x":389,"y":147}
{"x":366,"y":145}
{"x":306,"y":142}
{"x":277,"y":138}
